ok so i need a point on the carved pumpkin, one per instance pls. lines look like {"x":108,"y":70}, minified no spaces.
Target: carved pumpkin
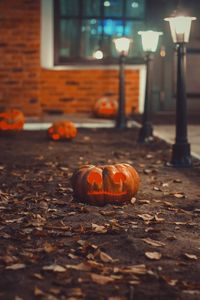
{"x":100,"y":185}
{"x":62,"y":130}
{"x":106,"y":107}
{"x":11,"y":120}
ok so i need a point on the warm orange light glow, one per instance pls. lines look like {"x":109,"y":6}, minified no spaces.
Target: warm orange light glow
{"x":106,"y":107}
{"x":107,"y":193}
{"x":11,"y":120}
{"x":119,"y":177}
{"x":55,"y":136}
{"x":94,"y":177}
{"x":62,"y":130}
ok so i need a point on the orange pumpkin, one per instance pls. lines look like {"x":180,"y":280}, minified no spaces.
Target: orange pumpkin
{"x":106,"y":107}
{"x":62,"y":130}
{"x":100,"y":185}
{"x":11,"y":120}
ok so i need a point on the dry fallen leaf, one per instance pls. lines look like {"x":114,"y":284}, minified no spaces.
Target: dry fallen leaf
{"x":81,"y":242}
{"x":98,"y":228}
{"x":170,"y":281}
{"x":153,"y":255}
{"x":105,"y":257}
{"x":134,"y":282}
{"x":135,"y":269}
{"x":38,"y":276}
{"x":192,"y":292}
{"x":133,"y":200}
{"x":74,"y":293}
{"x":177,"y":180}
{"x":165,"y":184}
{"x":107,"y":213}
{"x":54,"y":268}
{"x":55,"y":291}
{"x":38,"y":291}
{"x":167,"y":203}
{"x":86,"y":138}
{"x":156,"y":188}
{"x":87,"y":266}
{"x":100,"y":279}
{"x":147,"y":171}
{"x":153,"y":242}
{"x":190,"y":256}
{"x":16,"y":267}
{"x":180,"y":223}
{"x":81,"y":267}
{"x":179,"y":195}
{"x":146,"y":217}
{"x":71,"y":255}
{"x":143,"y":202}
{"x":49,"y":248}
{"x":149,"y":156}
{"x":159,"y":219}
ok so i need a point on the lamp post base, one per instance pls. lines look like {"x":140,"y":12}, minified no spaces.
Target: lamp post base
{"x":120,"y":124}
{"x":181,"y":157}
{"x":146,"y":134}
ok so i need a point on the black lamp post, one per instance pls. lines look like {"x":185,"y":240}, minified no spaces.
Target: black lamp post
{"x":149,"y":43}
{"x":122,"y":45}
{"x":180,"y":30}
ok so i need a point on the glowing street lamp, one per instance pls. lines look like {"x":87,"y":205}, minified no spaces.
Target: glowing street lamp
{"x":150,"y":40}
{"x":122,"y":45}
{"x":98,"y":54}
{"x":180,"y":30}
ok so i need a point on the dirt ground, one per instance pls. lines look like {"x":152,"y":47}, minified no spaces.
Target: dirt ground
{"x":52,"y":247}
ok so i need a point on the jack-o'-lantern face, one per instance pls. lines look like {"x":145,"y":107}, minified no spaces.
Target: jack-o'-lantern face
{"x":106,"y":107}
{"x":11,"y":120}
{"x":105,"y":184}
{"x":95,"y":179}
{"x":63,"y":130}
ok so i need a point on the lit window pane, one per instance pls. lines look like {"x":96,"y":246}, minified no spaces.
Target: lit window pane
{"x":135,"y":8}
{"x":91,"y":8}
{"x":113,"y":8}
{"x":69,"y":7}
{"x":69,"y":38}
{"x":82,"y":30}
{"x":91,"y":33}
{"x":113,"y":27}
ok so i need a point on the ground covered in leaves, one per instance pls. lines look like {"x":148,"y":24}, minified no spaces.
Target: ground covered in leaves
{"x":52,"y":247}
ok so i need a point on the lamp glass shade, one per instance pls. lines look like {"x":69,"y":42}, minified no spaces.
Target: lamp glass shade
{"x":180,"y":28}
{"x":150,"y":40}
{"x":98,"y":54}
{"x":122,"y":45}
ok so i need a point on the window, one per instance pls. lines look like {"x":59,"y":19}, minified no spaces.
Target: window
{"x":85,"y":26}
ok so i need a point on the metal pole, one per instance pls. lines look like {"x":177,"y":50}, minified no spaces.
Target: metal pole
{"x":121,"y":117}
{"x":146,"y":131}
{"x":181,"y":149}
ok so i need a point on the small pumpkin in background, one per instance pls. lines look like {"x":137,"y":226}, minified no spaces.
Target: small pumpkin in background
{"x":106,"y":107}
{"x":62,"y":130}
{"x":105,"y":184}
{"x":11,"y":120}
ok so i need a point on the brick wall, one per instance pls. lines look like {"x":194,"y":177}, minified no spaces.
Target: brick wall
{"x":77,"y":90}
{"x":24,"y":84}
{"x":19,"y":52}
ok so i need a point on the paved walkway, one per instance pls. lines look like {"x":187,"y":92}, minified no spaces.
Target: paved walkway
{"x":165,"y":132}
